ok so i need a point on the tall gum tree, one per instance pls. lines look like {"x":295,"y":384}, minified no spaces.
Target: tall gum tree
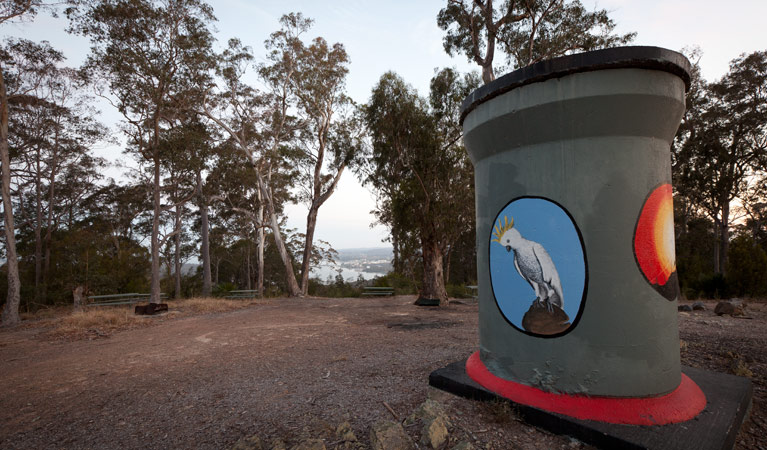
{"x":52,"y":132}
{"x":301,"y":118}
{"x":10,"y":11}
{"x":420,"y":170}
{"x":259,"y":125}
{"x":527,"y":31}
{"x":153,"y":55}
{"x":722,"y":147}
{"x":331,"y":136}
{"x":24,"y":68}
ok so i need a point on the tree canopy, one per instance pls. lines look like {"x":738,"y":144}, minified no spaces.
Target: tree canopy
{"x":526,"y":31}
{"x":420,"y":171}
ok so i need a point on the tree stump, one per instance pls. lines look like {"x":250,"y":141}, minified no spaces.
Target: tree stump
{"x":77,"y":295}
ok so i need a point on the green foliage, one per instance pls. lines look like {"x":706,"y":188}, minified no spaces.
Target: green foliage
{"x":402,"y":285}
{"x":339,"y":288}
{"x":420,"y":171}
{"x":88,"y":255}
{"x":223,"y":289}
{"x":694,"y":251}
{"x":459,"y":291}
{"x":526,"y":32}
{"x":721,"y":144}
{"x":747,"y":267}
{"x":713,"y":286}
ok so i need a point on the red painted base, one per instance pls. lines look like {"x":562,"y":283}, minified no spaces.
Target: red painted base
{"x":682,"y":404}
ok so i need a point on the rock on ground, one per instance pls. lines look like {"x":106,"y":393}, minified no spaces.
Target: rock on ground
{"x":729,"y":308}
{"x":387,"y":435}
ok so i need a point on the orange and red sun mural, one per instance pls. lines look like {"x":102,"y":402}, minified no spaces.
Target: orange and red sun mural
{"x":654,"y":242}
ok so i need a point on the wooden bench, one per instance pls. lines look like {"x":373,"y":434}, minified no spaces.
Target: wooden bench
{"x":378,"y":291}
{"x":474,"y":290}
{"x":120,"y":299}
{"x":242,"y":294}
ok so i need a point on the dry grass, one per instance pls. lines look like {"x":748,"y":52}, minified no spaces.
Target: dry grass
{"x":103,"y":321}
{"x":94,"y":322}
{"x":99,"y":317}
{"x":46,"y":313}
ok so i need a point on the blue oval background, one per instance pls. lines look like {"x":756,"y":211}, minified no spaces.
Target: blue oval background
{"x":547,"y":223}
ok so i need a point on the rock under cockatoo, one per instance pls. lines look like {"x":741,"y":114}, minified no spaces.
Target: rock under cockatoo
{"x":533,"y":264}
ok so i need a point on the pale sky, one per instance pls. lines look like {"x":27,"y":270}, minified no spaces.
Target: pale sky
{"x":403,"y":36}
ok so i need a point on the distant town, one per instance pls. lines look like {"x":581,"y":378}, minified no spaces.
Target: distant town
{"x":353,"y":262}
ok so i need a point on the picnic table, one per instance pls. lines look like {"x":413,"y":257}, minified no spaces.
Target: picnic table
{"x":377,"y":291}
{"x":120,"y":299}
{"x":246,"y":293}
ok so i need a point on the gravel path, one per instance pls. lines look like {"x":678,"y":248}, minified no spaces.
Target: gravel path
{"x":283,"y":368}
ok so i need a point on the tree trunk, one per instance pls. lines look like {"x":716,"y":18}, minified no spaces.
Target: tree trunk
{"x":447,"y":264}
{"x":311,"y":224}
{"x":77,"y":296}
{"x":287,"y":261}
{"x":205,"y":246}
{"x":248,"y":268}
{"x":433,"y":279}
{"x":717,"y":246}
{"x":38,"y":227}
{"x":260,"y":251}
{"x":487,"y":72}
{"x":51,"y":200}
{"x":724,"y":237}
{"x":157,"y":209}
{"x":11,"y":308}
{"x":177,"y":255}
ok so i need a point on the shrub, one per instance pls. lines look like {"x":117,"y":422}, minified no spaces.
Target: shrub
{"x":747,"y":267}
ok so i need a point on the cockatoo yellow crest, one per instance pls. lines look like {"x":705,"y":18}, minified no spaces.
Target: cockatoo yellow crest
{"x":502,"y":228}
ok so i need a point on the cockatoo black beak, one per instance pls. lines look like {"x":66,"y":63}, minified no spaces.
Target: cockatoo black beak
{"x":508,"y":248}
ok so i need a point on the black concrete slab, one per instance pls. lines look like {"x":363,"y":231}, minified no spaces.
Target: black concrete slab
{"x":715,"y":428}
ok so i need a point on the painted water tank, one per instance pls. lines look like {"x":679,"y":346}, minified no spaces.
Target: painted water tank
{"x":575,"y":234}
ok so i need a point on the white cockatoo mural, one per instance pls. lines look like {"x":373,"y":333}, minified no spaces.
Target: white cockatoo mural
{"x":533,"y":264}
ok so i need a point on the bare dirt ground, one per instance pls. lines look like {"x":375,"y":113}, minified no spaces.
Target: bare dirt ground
{"x":293,"y":369}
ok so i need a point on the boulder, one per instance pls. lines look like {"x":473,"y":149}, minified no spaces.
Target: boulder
{"x":426,"y":411}
{"x":698,"y":306}
{"x":729,"y":308}
{"x":387,"y":435}
{"x":434,"y":432}
{"x":685,"y":308}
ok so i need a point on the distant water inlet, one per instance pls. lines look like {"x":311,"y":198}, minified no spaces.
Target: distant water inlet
{"x":323,"y":272}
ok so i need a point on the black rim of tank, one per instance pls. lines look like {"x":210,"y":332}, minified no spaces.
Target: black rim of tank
{"x":653,"y":58}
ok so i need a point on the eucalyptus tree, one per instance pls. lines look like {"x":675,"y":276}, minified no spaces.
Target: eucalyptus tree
{"x":259,"y":125}
{"x":25,"y":67}
{"x":303,"y":108}
{"x":419,"y":168}
{"x":724,"y":144}
{"x":236,"y":197}
{"x":526,"y":31}
{"x":10,"y":11}
{"x":185,"y":149}
{"x":52,"y":133}
{"x":152,"y":55}
{"x":331,"y":137}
